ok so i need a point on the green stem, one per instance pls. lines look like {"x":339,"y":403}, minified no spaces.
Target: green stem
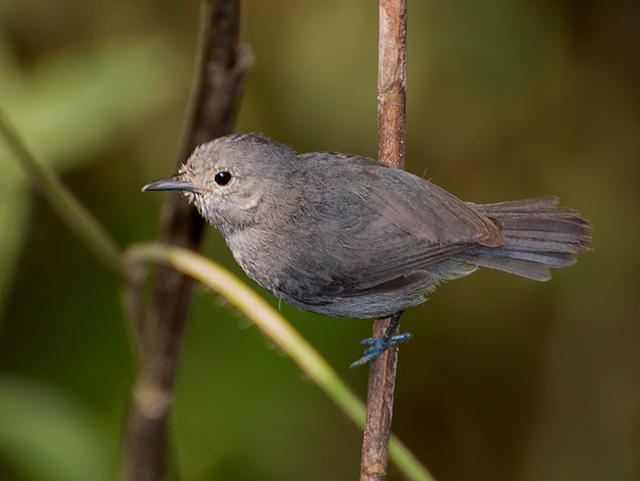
{"x":77,"y":217}
{"x":280,"y":331}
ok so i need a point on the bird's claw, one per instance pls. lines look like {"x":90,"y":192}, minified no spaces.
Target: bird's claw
{"x":378,"y":346}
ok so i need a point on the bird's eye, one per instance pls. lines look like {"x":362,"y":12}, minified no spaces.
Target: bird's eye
{"x":222,"y":178}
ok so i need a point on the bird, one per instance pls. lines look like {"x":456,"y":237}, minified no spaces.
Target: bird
{"x":348,"y":236}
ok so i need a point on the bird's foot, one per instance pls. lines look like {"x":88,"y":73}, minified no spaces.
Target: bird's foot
{"x":381,"y":344}
{"x":378,"y":346}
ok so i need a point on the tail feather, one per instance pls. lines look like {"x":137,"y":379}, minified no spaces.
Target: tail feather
{"x":538,"y":234}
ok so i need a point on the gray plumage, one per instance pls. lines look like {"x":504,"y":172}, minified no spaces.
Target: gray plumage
{"x":348,"y":236}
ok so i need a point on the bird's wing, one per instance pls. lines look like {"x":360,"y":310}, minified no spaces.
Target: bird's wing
{"x":379,"y":235}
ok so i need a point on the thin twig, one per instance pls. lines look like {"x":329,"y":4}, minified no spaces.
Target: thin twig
{"x":223,"y":63}
{"x":69,"y":208}
{"x":391,"y":123}
{"x":278,"y":329}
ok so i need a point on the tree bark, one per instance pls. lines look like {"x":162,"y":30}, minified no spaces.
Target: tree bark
{"x":391,"y":127}
{"x":222,"y":65}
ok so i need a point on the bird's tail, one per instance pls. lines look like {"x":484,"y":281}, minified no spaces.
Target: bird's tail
{"x":538,"y":234}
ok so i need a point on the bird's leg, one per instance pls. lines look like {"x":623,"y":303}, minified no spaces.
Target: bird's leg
{"x":381,"y":344}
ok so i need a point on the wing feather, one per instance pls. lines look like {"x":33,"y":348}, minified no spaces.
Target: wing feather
{"x":383,"y":230}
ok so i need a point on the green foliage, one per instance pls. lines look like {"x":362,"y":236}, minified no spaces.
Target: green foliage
{"x":48,"y":435}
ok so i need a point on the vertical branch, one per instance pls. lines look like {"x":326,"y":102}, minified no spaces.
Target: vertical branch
{"x":222,"y":65}
{"x":391,"y":123}
{"x":392,"y":80}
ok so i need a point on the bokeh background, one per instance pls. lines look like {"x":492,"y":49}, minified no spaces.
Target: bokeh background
{"x":506,"y":379}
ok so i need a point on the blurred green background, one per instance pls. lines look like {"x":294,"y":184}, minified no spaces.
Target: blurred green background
{"x":506,"y":379}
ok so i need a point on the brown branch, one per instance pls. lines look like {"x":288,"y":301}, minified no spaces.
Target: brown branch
{"x":391,"y":123}
{"x":222,"y":65}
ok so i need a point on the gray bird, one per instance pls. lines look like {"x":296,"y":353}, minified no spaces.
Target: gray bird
{"x":348,"y":236}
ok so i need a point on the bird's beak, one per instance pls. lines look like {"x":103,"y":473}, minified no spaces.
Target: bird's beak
{"x":173,"y":182}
